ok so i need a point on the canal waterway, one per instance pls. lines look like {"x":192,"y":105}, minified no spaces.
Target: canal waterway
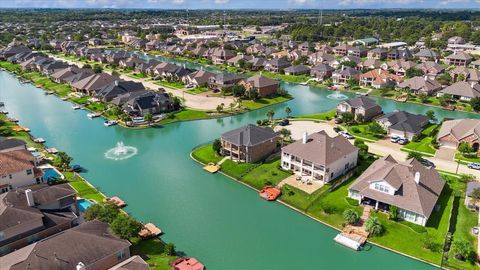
{"x":222,"y":223}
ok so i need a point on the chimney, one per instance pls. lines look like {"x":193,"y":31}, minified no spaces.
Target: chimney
{"x":425,"y":78}
{"x":379,"y":71}
{"x":472,"y":84}
{"x":29,"y":195}
{"x":304,"y":138}
{"x":417,"y":178}
{"x":116,"y":82}
{"x":80,"y":266}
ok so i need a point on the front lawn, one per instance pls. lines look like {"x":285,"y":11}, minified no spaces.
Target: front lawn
{"x":174,"y":85}
{"x":467,"y":159}
{"x":269,"y":173}
{"x":425,"y":143}
{"x":363,"y":132}
{"x":97,"y":106}
{"x":83,"y":189}
{"x":186,"y":115}
{"x":236,"y":170}
{"x":197,"y":90}
{"x":262,"y":102}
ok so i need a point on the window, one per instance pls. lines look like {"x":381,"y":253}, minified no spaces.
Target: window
{"x":29,"y":171}
{"x":121,"y":255}
{"x":382,"y":188}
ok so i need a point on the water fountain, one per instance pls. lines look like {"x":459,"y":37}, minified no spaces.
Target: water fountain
{"x":121,"y":152}
{"x":337,"y":96}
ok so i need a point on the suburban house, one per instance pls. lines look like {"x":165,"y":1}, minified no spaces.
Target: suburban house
{"x":8,"y":144}
{"x":396,"y":53}
{"x":461,"y":90}
{"x":197,"y":78}
{"x":345,"y":74}
{"x":464,"y":74}
{"x":64,"y":73}
{"x":379,"y":78}
{"x":32,"y":214}
{"x":249,"y":143}
{"x":420,"y":84}
{"x":470,"y":202}
{"x":426,"y":55}
{"x":320,"y":157}
{"x":277,"y":64}
{"x":411,"y":187}
{"x":18,"y":169}
{"x":369,"y":64}
{"x":361,"y":108}
{"x":322,"y":71}
{"x":458,"y":59}
{"x":377,"y":53}
{"x":118,"y":87}
{"x":431,"y":69}
{"x":403,"y":124}
{"x":263,"y":85}
{"x":454,"y":132}
{"x":220,"y":56}
{"x":297,"y":70}
{"x":223,"y":81}
{"x":87,"y":246}
{"x":148,"y":102}
{"x":93,"y":83}
{"x":320,"y":57}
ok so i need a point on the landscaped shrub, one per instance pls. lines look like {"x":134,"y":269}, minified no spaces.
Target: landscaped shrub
{"x":393,"y":214}
{"x":355,"y":130}
{"x":430,"y":244}
{"x":373,"y":226}
{"x":461,"y":249}
{"x":351,"y":216}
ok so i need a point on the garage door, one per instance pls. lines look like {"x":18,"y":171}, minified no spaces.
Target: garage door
{"x":448,"y":145}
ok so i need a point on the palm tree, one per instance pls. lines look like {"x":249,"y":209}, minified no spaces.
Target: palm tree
{"x":350,"y":216}
{"x":270,"y":115}
{"x":285,"y":134}
{"x":373,"y":226}
{"x":148,"y":117}
{"x":231,"y":105}
{"x":288,"y":111}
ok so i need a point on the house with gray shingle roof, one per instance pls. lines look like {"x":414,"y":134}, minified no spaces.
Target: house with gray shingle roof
{"x":458,"y":59}
{"x":461,"y":90}
{"x":420,"y":84}
{"x":360,"y":107}
{"x":403,"y":124}
{"x":411,"y":187}
{"x":249,"y":143}
{"x":320,"y":157}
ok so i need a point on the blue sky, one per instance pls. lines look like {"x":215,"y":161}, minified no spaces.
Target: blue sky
{"x":240,"y":4}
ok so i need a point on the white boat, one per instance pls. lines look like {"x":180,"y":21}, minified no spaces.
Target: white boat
{"x":303,"y":83}
{"x":93,"y":115}
{"x":76,"y":107}
{"x":39,"y":140}
{"x":109,"y":123}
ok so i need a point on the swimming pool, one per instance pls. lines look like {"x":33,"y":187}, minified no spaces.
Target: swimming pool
{"x":50,"y":174}
{"x":83,"y":204}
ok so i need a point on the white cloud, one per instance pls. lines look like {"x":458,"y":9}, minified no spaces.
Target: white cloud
{"x":220,"y":2}
{"x":372,"y":2}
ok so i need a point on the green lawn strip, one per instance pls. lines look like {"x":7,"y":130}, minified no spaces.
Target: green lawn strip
{"x":268,"y":173}
{"x":80,"y":100}
{"x":424,"y":146}
{"x":97,"y":106}
{"x":262,"y":102}
{"x":465,"y":221}
{"x":286,"y":78}
{"x":174,"y":85}
{"x":186,"y":115}
{"x":466,"y":160}
{"x":84,"y":189}
{"x":152,"y":251}
{"x":197,"y":90}
{"x":206,"y":154}
{"x":236,"y":170}
{"x":324,"y":116}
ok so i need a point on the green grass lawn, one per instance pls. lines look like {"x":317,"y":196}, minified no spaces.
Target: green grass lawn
{"x":269,"y":173}
{"x":300,"y":199}
{"x":83,"y":189}
{"x":262,"y":102}
{"x":97,"y":106}
{"x":323,"y":116}
{"x":206,"y":154}
{"x":197,"y":90}
{"x":186,"y":115}
{"x":363,"y":131}
{"x":138,"y":75}
{"x":80,"y":100}
{"x":152,"y":251}
{"x":425,"y":144}
{"x":286,"y":78}
{"x":465,"y":221}
{"x":174,"y":85}
{"x":467,"y":159}
{"x":236,"y":170}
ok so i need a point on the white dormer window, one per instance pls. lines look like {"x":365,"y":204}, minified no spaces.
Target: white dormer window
{"x":382,"y":188}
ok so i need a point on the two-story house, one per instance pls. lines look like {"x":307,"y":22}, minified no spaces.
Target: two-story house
{"x":18,"y":169}
{"x":362,"y":108}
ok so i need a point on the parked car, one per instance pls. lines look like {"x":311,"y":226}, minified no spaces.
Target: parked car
{"x":346,"y":135}
{"x":337,"y":129}
{"x":474,"y":165}
{"x":395,"y":138}
{"x":402,"y":141}
{"x":427,"y":163}
{"x":284,"y":122}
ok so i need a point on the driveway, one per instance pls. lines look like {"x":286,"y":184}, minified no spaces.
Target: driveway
{"x":299,"y":127}
{"x":445,"y":153}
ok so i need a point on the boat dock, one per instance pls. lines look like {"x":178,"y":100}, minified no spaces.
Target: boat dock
{"x":212,"y":167}
{"x":354,"y":236}
{"x":117,"y":201}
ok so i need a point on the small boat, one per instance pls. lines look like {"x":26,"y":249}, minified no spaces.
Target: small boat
{"x":31,"y":149}
{"x":49,"y":92}
{"x":270,"y":193}
{"x":3,"y":69}
{"x":109,"y":123}
{"x":76,"y":168}
{"x":3,"y":112}
{"x":14,"y":120}
{"x":52,"y":150}
{"x":303,"y":83}
{"x":117,"y":201}
{"x":93,"y":115}
{"x":64,"y":98}
{"x":76,"y":107}
{"x":39,"y":140}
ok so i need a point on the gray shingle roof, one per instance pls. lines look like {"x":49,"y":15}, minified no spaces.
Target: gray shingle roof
{"x":249,"y":135}
{"x":364,"y":102}
{"x":405,"y":121}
